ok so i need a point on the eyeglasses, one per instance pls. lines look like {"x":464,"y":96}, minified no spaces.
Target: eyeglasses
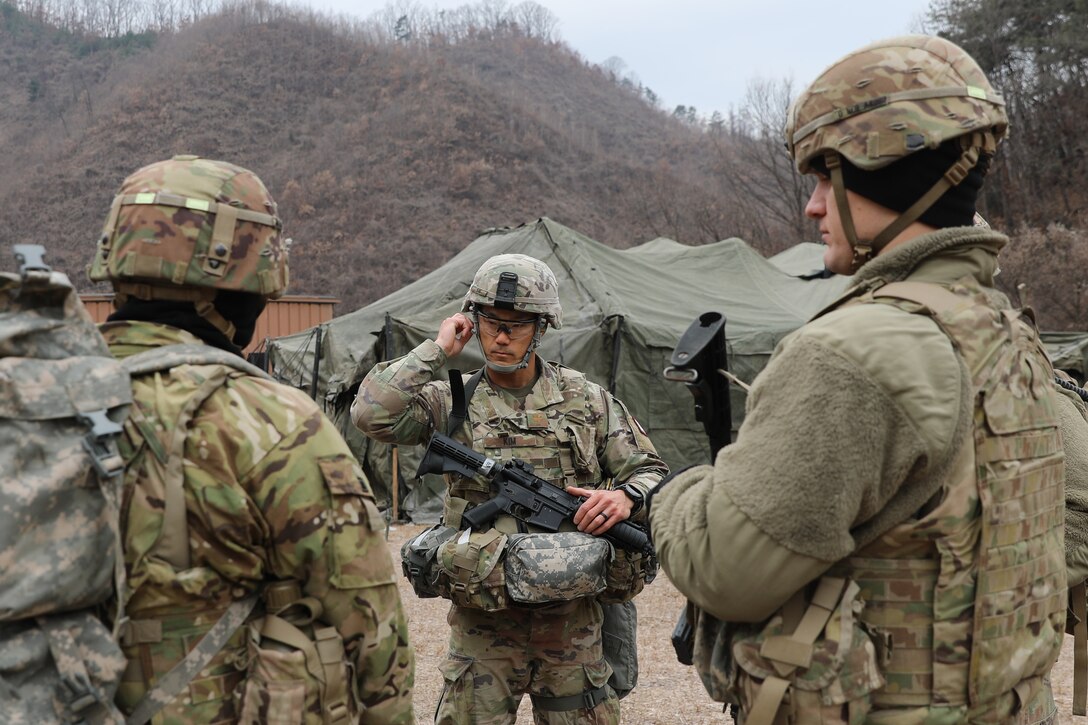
{"x":514,"y":329}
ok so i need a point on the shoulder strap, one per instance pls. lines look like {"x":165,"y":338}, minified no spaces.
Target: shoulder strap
{"x":173,"y":543}
{"x":169,"y":356}
{"x":932,"y":296}
{"x":462,"y":393}
{"x":789,"y":652}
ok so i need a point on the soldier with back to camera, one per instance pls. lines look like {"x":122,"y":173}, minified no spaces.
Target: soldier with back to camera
{"x":259,"y":585}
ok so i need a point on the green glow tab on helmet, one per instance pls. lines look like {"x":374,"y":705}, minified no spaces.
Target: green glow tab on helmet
{"x":148,"y":197}
{"x":976,"y":92}
{"x":197,"y":204}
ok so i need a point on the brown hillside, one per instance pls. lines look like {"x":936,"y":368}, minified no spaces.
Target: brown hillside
{"x":386,"y":158}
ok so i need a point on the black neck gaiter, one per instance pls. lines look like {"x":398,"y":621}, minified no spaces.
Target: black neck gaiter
{"x":897,"y":186}
{"x":240,"y":308}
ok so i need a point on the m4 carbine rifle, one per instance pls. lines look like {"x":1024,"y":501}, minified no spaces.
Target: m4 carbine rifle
{"x":699,"y":362}
{"x":522,"y":494}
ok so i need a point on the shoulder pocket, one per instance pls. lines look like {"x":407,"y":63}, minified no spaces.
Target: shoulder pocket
{"x":357,"y":547}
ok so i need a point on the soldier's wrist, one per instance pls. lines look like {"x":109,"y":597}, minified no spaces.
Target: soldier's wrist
{"x":634,"y":495}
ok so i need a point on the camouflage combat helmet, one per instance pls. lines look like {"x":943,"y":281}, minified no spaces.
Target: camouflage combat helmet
{"x":516,"y":282}
{"x":186,"y":228}
{"x":888,"y":100}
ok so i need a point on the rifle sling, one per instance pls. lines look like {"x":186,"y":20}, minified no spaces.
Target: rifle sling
{"x":462,"y":393}
{"x":178,"y":678}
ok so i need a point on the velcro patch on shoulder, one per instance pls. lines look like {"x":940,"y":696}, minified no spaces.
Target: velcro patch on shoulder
{"x":339,"y":474}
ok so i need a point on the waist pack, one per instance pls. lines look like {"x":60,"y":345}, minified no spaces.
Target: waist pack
{"x":490,"y":570}
{"x":560,"y":567}
{"x":62,"y":400}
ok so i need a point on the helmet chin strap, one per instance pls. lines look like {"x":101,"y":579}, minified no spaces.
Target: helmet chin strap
{"x":866,"y":250}
{"x":863,"y":251}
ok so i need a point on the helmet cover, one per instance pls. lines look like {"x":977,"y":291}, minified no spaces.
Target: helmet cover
{"x":190,"y":222}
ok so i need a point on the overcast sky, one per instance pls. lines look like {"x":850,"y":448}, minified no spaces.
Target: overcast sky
{"x":703,"y":53}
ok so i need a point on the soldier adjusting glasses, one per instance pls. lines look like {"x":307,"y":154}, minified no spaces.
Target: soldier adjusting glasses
{"x":514,"y":329}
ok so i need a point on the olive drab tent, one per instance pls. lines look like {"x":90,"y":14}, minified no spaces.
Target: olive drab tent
{"x":623,"y":312}
{"x":1068,"y":351}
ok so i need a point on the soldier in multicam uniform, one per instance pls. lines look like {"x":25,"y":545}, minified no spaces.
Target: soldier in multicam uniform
{"x":883,"y":541}
{"x":240,"y":496}
{"x":574,"y":433}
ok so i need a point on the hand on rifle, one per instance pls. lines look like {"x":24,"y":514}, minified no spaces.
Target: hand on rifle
{"x":454,"y":333}
{"x":601,"y":510}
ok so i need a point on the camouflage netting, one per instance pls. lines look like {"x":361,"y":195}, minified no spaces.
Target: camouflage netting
{"x":623,"y":312}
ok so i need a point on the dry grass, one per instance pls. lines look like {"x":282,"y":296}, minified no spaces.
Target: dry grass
{"x":668,"y":693}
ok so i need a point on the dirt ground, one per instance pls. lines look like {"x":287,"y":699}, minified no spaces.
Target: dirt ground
{"x":667,"y":694}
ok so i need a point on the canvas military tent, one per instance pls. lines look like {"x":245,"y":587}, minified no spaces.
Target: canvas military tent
{"x":624,"y":311}
{"x":1068,"y":351}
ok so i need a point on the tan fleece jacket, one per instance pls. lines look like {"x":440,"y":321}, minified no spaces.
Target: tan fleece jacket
{"x":849,"y":431}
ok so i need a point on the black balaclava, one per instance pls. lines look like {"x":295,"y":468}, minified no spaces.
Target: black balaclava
{"x":897,"y":186}
{"x":240,"y":308}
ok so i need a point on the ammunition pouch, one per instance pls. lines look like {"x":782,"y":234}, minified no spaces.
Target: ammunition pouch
{"x":418,"y":557}
{"x":294,"y":665}
{"x":628,"y":574}
{"x":559,"y":567}
{"x":470,"y":572}
{"x":812,"y":662}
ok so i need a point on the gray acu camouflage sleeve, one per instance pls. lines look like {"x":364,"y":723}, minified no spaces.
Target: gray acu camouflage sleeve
{"x":399,"y":401}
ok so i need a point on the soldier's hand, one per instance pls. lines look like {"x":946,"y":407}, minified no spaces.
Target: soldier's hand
{"x":602,"y":509}
{"x":454,"y":333}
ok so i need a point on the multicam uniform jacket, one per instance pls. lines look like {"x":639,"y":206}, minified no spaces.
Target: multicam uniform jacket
{"x":572,"y":430}
{"x":916,"y":454}
{"x":272,"y":493}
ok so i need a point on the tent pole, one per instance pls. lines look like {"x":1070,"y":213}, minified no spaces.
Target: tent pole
{"x":396,"y":487}
{"x":317,"y":364}
{"x":617,"y":339}
{"x":387,"y":335}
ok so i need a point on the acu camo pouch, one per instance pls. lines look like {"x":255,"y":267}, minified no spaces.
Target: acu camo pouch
{"x":556,"y":567}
